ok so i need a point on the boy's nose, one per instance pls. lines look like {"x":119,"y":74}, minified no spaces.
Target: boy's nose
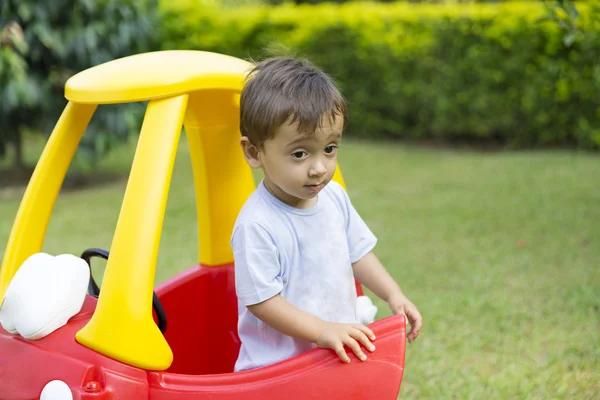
{"x":317,"y":169}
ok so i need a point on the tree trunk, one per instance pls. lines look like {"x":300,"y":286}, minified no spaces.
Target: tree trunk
{"x":18,"y":162}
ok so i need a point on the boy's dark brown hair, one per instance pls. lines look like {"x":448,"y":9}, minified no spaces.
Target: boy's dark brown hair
{"x":283,"y":88}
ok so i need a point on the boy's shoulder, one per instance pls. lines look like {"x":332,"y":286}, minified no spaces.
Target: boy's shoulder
{"x":256,"y":210}
{"x":258,"y":219}
{"x":335,"y":189}
{"x":337,"y":194}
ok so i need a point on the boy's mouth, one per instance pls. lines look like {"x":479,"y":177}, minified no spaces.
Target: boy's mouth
{"x":315,"y":188}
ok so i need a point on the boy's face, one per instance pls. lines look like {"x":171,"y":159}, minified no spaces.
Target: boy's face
{"x":297,"y":166}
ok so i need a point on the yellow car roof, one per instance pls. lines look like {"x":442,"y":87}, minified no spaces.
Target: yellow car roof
{"x":155,"y":75}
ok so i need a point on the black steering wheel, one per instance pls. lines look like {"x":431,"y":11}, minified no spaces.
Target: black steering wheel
{"x":94,"y":290}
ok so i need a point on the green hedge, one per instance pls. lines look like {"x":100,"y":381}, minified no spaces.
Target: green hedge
{"x":451,"y":72}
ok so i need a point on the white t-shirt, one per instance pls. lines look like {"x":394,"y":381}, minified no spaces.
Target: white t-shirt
{"x":305,"y":255}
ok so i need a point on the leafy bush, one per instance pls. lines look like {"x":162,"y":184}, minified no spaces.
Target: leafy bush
{"x":451,"y":72}
{"x":45,"y":43}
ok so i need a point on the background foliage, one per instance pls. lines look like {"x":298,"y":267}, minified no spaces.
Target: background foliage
{"x":496,"y":72}
{"x":523,"y":74}
{"x":44,"y":43}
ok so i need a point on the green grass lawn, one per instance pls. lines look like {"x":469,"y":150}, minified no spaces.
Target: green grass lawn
{"x":500,"y":252}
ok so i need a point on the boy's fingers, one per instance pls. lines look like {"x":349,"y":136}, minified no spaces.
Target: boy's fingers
{"x":416,"y":322}
{"x":365,"y":330}
{"x":360,"y":336}
{"x":341,"y":352}
{"x":355,"y":347}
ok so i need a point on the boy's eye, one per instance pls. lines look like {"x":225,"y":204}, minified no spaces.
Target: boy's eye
{"x":330,"y":149}
{"x":299,"y":154}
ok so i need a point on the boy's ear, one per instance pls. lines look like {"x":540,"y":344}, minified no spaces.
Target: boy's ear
{"x":250,"y":152}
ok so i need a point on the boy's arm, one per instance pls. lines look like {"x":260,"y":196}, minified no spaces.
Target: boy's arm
{"x":370,"y":272}
{"x":281,"y":315}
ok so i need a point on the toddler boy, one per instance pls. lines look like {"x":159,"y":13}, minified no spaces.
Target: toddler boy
{"x":298,"y":242}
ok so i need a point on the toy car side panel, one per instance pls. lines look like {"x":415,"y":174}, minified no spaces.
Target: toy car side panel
{"x":316,"y":374}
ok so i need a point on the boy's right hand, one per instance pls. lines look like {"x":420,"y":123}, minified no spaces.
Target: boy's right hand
{"x":335,"y":335}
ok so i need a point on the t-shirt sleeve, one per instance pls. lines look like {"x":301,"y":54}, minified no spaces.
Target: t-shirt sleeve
{"x":361,"y":239}
{"x":257,"y":265}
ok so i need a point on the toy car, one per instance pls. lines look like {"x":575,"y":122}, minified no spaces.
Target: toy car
{"x":127,"y":342}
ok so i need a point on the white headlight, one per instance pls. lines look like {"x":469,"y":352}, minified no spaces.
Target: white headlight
{"x":56,"y":390}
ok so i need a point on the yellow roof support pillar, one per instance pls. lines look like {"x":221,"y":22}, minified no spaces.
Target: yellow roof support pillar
{"x":122,"y":326}
{"x":31,"y":223}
